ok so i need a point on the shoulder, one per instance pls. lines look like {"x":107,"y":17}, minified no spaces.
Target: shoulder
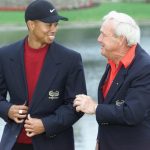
{"x":142,"y":57}
{"x":11,"y":47}
{"x":64,"y":52}
{"x":141,"y":63}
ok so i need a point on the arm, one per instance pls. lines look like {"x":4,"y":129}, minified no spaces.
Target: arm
{"x":4,"y":104}
{"x":7,"y":110}
{"x":65,"y":116}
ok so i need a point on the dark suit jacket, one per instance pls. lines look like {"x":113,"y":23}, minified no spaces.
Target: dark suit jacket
{"x":61,"y":78}
{"x":124,"y":115}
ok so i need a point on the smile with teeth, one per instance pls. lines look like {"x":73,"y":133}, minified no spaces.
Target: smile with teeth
{"x":52,"y":37}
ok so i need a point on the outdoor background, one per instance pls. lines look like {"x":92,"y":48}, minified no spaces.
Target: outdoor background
{"x":80,"y":34}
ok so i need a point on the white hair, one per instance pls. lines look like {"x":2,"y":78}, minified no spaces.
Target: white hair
{"x":124,"y":25}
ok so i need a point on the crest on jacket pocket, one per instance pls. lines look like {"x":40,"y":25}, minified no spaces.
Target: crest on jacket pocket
{"x":119,"y":102}
{"x":53,"y":94}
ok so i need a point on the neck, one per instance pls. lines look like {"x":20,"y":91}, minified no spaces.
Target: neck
{"x":34,"y":43}
{"x":118,"y":57}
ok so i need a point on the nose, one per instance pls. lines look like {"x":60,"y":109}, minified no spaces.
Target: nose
{"x":100,"y":38}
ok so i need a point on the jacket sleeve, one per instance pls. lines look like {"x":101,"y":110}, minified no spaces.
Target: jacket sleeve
{"x":65,"y":116}
{"x":4,"y":104}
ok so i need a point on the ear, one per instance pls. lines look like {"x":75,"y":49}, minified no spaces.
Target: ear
{"x":31,"y":25}
{"x":123,"y":40}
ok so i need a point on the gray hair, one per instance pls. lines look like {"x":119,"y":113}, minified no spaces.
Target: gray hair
{"x":124,"y":25}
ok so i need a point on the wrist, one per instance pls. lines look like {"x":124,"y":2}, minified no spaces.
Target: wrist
{"x":95,"y":108}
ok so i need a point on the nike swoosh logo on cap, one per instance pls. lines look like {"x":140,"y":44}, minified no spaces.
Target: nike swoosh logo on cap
{"x":51,"y":10}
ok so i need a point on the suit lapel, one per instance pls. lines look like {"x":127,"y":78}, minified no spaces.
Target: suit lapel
{"x":118,"y":81}
{"x":47,"y":76}
{"x":17,"y":66}
{"x":104,"y":78}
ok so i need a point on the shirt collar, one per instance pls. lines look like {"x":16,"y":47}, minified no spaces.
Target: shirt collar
{"x":127,"y":59}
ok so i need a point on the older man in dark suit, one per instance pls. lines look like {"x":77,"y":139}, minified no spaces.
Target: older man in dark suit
{"x":123,"y":109}
{"x":42,"y":79}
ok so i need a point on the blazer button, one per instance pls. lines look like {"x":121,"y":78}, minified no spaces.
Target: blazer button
{"x":104,"y":123}
{"x":52,"y":136}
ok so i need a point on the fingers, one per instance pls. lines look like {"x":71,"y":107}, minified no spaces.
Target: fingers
{"x":78,"y":108}
{"x":78,"y":102}
{"x":79,"y":99}
{"x":18,"y":120}
{"x":29,"y":126}
{"x":33,"y":126}
{"x":18,"y":113}
{"x":80,"y":95}
{"x":85,"y":104}
{"x":28,"y":122}
{"x":30,"y":134}
{"x":29,"y":117}
{"x":22,"y":111}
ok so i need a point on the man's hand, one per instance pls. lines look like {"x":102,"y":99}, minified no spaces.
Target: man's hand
{"x":18,"y":113}
{"x":85,"y":104}
{"x":33,"y":126}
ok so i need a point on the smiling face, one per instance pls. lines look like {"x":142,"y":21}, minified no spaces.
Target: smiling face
{"x":42,"y":33}
{"x":110,"y":43}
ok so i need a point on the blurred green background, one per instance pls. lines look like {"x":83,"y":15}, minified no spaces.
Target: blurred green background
{"x":81,"y":11}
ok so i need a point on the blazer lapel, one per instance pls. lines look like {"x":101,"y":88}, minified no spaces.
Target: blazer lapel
{"x":47,"y":76}
{"x":104,"y":78}
{"x":17,"y":66}
{"x":118,"y":81}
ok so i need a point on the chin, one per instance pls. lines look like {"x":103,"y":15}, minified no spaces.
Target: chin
{"x":49,"y":42}
{"x":103,"y":53}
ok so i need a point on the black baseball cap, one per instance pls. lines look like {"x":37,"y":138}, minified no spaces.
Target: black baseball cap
{"x":44,"y":11}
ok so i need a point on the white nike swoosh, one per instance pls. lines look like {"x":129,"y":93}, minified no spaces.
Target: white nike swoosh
{"x":51,"y":10}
